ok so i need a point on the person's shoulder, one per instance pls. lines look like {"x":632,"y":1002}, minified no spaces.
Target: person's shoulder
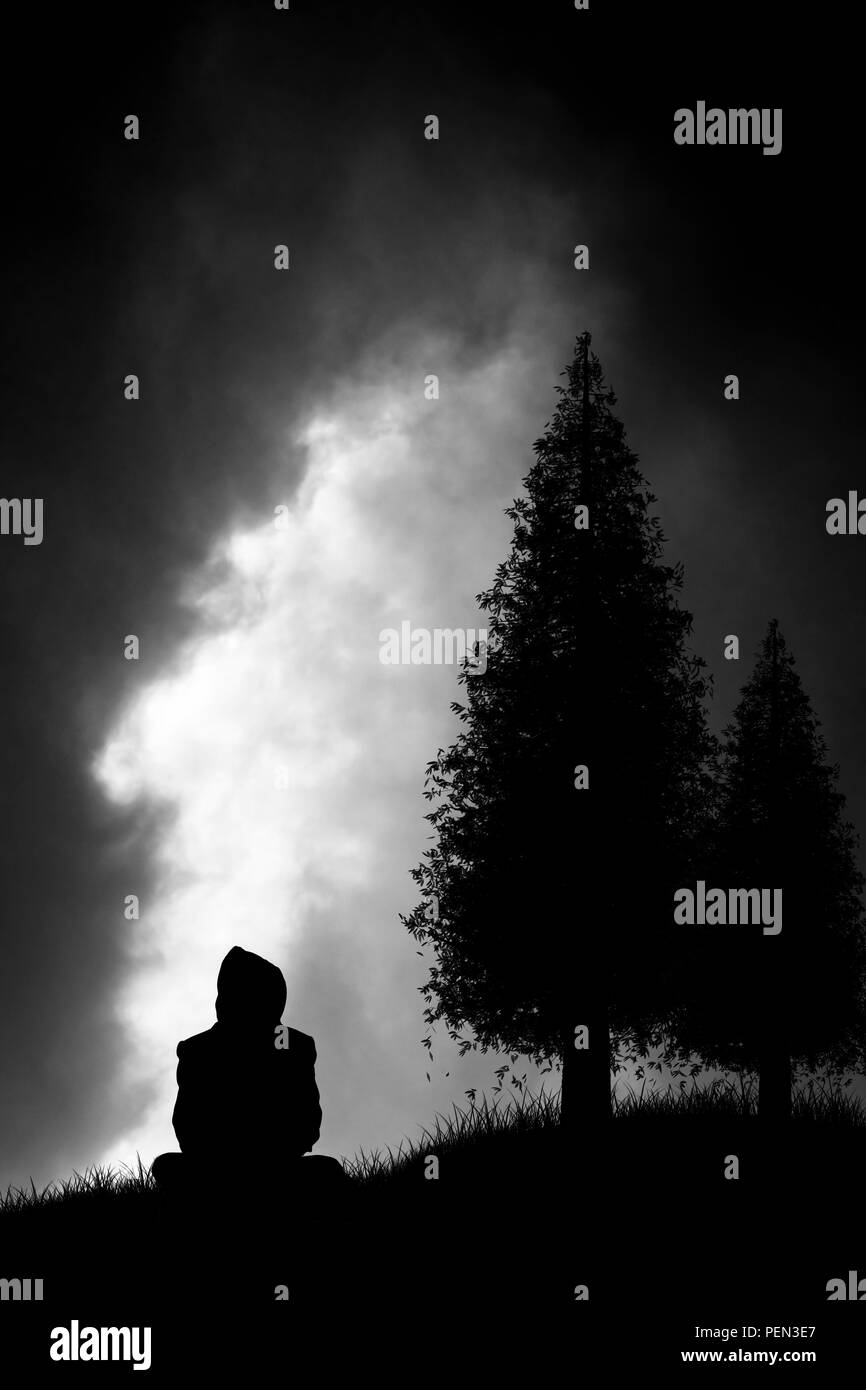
{"x":198,"y":1043}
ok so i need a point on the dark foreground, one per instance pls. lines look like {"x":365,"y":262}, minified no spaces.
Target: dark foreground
{"x":474,"y":1272}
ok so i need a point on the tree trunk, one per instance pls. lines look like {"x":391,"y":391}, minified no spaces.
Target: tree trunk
{"x":586,"y":1114}
{"x":774,"y":1084}
{"x":586,"y":1073}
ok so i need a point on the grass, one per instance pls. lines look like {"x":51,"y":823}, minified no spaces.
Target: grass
{"x":459,"y":1131}
{"x":815,"y":1103}
{"x":469,"y":1134}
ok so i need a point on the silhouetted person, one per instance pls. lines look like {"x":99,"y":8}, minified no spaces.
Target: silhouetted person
{"x":247,"y":1107}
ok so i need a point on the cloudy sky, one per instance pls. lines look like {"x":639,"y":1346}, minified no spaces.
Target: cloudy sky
{"x":255,"y":778}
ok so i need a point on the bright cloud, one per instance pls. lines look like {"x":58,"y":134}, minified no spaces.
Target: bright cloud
{"x":290,"y":760}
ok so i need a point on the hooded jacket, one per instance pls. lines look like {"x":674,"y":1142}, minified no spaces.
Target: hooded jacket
{"x":239,"y":1094}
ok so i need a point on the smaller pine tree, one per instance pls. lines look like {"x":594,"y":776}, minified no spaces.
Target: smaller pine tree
{"x":771,"y":1003}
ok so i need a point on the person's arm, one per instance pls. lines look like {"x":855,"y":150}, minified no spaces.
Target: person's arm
{"x":188,"y":1117}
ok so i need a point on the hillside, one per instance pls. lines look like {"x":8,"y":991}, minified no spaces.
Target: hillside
{"x":487,"y":1256}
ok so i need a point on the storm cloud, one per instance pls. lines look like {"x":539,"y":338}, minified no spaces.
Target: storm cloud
{"x":305,"y":389}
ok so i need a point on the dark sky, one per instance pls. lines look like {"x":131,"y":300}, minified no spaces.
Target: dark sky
{"x":407,"y":256}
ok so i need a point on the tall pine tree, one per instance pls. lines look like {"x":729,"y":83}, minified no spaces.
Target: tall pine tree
{"x":768,"y":1003}
{"x":554,"y":885}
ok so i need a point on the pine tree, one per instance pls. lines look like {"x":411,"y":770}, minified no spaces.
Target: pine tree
{"x":769,"y":1003}
{"x":554,"y":903}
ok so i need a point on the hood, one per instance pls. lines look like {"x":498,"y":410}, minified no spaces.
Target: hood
{"x":251,"y":992}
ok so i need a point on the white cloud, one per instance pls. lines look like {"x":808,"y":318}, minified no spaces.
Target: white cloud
{"x":398,"y":515}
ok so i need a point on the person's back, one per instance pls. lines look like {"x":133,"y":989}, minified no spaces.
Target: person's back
{"x":247,"y":1103}
{"x":247,"y":1086}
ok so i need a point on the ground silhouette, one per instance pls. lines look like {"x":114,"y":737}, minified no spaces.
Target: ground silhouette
{"x":481,"y":1265}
